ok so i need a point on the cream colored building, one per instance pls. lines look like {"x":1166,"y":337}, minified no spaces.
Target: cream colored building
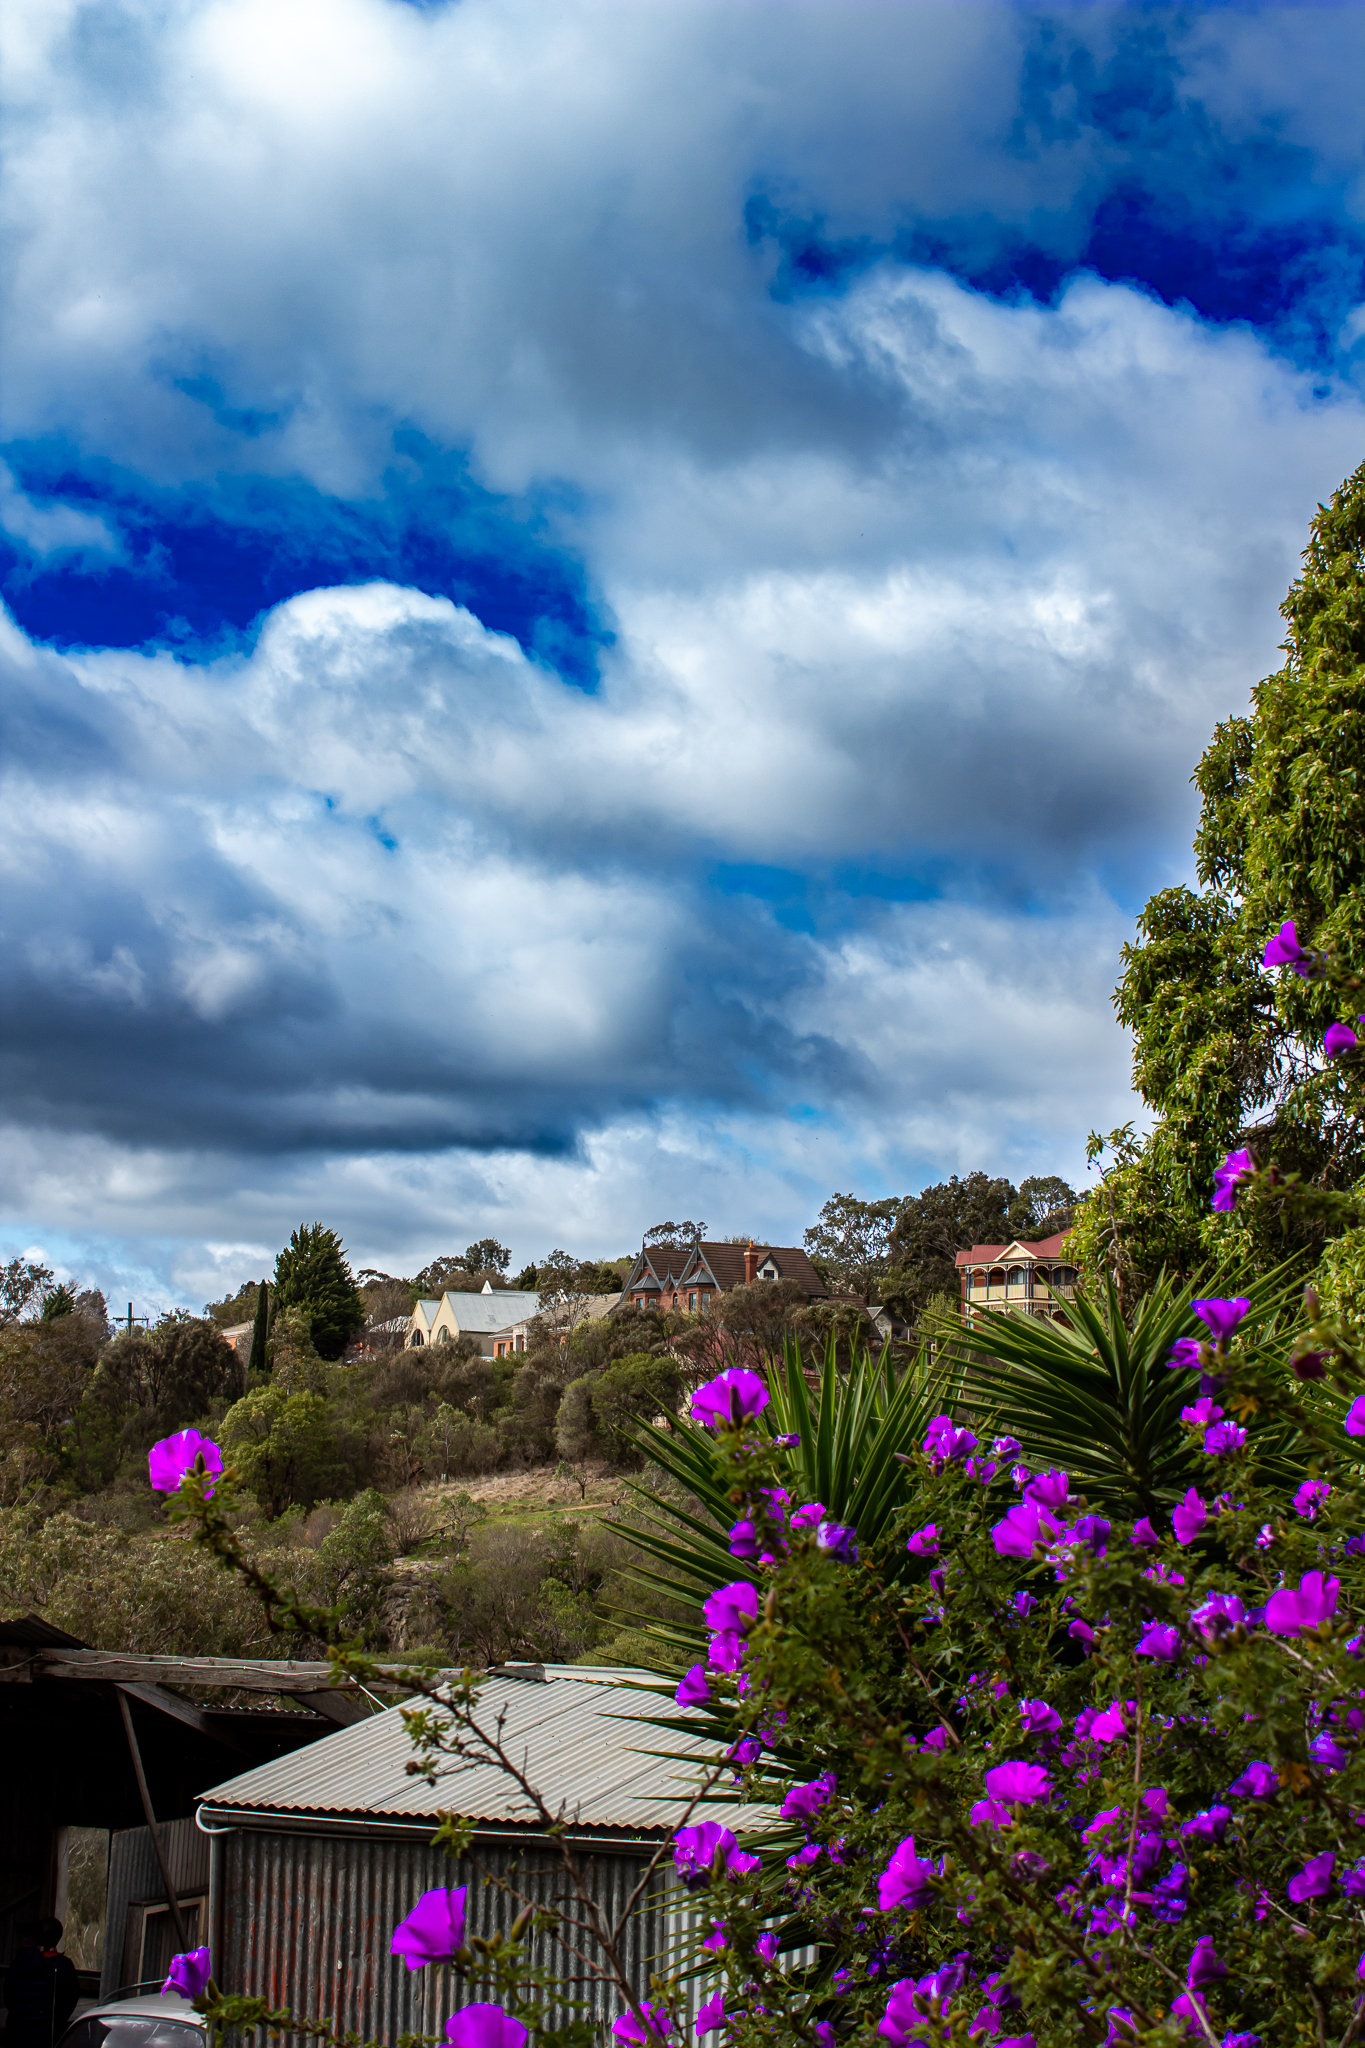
{"x":1036,"y":1279}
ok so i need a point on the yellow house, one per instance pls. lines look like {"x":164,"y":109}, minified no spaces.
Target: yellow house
{"x":1034,"y":1278}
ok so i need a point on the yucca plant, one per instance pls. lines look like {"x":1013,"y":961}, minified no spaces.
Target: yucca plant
{"x":1094,"y":1395}
{"x":848,"y":1431}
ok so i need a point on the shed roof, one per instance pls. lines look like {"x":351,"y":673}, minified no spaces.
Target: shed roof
{"x":567,"y":1733}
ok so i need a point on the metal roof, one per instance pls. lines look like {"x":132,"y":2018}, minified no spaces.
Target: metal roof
{"x":569,"y":1734}
{"x":482,"y":1314}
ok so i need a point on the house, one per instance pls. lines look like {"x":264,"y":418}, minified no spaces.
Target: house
{"x":690,"y":1276}
{"x":1035,"y":1278}
{"x":560,"y":1321}
{"x":316,"y":1857}
{"x":496,"y":1319}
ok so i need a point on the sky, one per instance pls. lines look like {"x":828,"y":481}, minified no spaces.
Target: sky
{"x":609,"y":608}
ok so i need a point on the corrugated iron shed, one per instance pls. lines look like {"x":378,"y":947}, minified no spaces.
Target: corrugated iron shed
{"x":577,"y":1734}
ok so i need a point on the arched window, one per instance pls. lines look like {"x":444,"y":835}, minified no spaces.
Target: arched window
{"x":418,"y":1340}
{"x":442,"y":1336}
{"x":979,"y":1279}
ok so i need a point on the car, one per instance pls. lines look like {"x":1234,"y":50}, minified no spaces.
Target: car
{"x":142,"y":2019}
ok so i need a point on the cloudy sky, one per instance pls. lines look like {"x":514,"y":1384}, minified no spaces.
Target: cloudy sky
{"x":609,"y":607}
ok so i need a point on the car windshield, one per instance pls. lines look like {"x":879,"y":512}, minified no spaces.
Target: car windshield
{"x":132,"y":2030}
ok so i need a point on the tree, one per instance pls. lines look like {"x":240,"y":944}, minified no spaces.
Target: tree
{"x":1227,"y":1051}
{"x":311,"y":1273}
{"x":234,"y":1308}
{"x":848,"y":1242}
{"x":60,"y":1302}
{"x":24,"y":1286}
{"x":151,"y":1383}
{"x":284,"y":1448}
{"x":260,"y":1332}
{"x":930,"y":1228}
{"x":487,"y":1256}
{"x":599,"y":1411}
{"x":675,"y":1233}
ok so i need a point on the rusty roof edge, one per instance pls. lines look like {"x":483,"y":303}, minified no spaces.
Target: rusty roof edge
{"x":296,"y":1821}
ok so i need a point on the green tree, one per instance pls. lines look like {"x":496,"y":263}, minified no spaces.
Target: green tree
{"x":285,"y":1448}
{"x":487,"y":1256}
{"x":599,"y":1411}
{"x":312,"y":1273}
{"x":848,"y":1241}
{"x":260,"y":1331}
{"x":1227,"y":1052}
{"x":932,"y":1227}
{"x":61,"y":1302}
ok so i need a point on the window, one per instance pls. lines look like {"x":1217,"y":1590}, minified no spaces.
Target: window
{"x":979,"y":1279}
{"x":1015,"y":1279}
{"x":705,"y":1299}
{"x":418,"y":1339}
{"x":442,"y":1336}
{"x":692,"y":1302}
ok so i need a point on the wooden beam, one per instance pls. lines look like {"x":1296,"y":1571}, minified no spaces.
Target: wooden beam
{"x":243,"y":1674}
{"x":342,"y":1709}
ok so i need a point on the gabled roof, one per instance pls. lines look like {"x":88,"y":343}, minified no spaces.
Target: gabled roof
{"x":692,"y":1265}
{"x":425,"y":1311}
{"x":482,"y":1314}
{"x":994,"y":1254}
{"x":570,"y":1729}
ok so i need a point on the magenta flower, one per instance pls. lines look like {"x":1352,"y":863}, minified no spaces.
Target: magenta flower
{"x":1290,"y":1613}
{"x":693,"y":1690}
{"x":1355,"y":1418}
{"x":1209,"y":1826}
{"x":1109,"y":1726}
{"x":1340,"y":1038}
{"x":725,"y":1650}
{"x":1203,"y":1412}
{"x":906,"y":1881}
{"x":803,"y":1802}
{"x":1144,"y":1534}
{"x":1205,"y":1966}
{"x":991,"y":1813}
{"x":1219,"y":1615}
{"x":1019,"y":1783}
{"x":189,"y":1974}
{"x":645,"y":2028}
{"x":711,"y":2015}
{"x":1159,"y":1641}
{"x":732,"y":1609}
{"x":1189,"y":1518}
{"x":744,"y":1541}
{"x":484,"y":2026}
{"x":175,"y":1457}
{"x":838,"y":1540}
{"x":730,"y":1399}
{"x":1039,"y":1718}
{"x":1082,"y":1631}
{"x":1258,"y":1781}
{"x":1187,"y":1355}
{"x":945,"y":1443}
{"x":696,"y":1849}
{"x":433,"y":1930}
{"x":1049,"y":1490}
{"x":1326,"y":1751}
{"x":1314,"y":1881}
{"x":1310,"y":1497}
{"x":824,"y":2034}
{"x":1222,"y":1437}
{"x":1284,"y":950}
{"x":1093,"y":1531}
{"x":923,"y":1542}
{"x":1226,"y":1177}
{"x":1221,"y":1318}
{"x":766,"y":1946}
{"x":1024,"y":1528}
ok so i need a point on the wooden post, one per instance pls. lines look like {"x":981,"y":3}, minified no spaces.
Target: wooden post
{"x":177,"y":1917}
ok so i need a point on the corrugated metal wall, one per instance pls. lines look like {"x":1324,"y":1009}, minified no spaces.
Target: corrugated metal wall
{"x":305,"y":1921}
{"x":134,"y":1873}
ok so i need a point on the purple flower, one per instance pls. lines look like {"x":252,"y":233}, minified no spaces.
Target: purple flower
{"x":189,"y":1974}
{"x":1353,"y":1883}
{"x":923,"y":1542}
{"x":991,"y":1813}
{"x":936,"y":1739}
{"x":1355,"y":1417}
{"x":1161,"y":1642}
{"x":906,"y":1879}
{"x":766,"y":1946}
{"x":1202,"y":1411}
{"x":1314,"y":1881}
{"x":1258,"y":1781}
{"x":1038,"y":1717}
{"x":1019,"y":1783}
{"x":1093,"y":1530}
{"x":1003,"y":1447}
{"x":175,"y":1457}
{"x":1221,"y":1318}
{"x":1328,"y":1752}
{"x":1109,"y":1726}
{"x":1222,"y":1437}
{"x":1189,"y":1518}
{"x":746,"y":1751}
{"x":725,"y":1650}
{"x":433,"y":1930}
{"x":1310,"y":1365}
{"x":1024,"y":1527}
{"x":696,"y":1849}
{"x":938,"y":1580}
{"x":1226,"y":1177}
{"x":732,"y":1609}
{"x":1122,"y":2028}
{"x":1083,"y":1632}
{"x":789,"y":1440}
{"x":731,"y":1398}
{"x":944,"y":1442}
{"x":803,"y":1858}
{"x":693,"y":1691}
{"x":646,"y":2028}
{"x":745,"y":1541}
{"x":824,"y":2034}
{"x":1156,"y":1801}
{"x":484,"y":2026}
{"x":1049,"y":1489}
{"x":1284,"y":950}
{"x":1219,"y":1615}
{"x":839,"y":1540}
{"x":1205,"y":1966}
{"x":1187,"y":1355}
{"x":1340,"y":1038}
{"x":803,"y":1802}
{"x":1241,"y":2041}
{"x":1144,"y":1534}
{"x":1290,"y":1613}
{"x":1190,"y":2006}
{"x":1024,"y":1602}
{"x":1209,"y":1826}
{"x":711,"y":2015}
{"x":1310,"y":1497}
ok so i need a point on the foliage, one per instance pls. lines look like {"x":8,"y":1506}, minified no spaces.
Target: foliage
{"x":1226,"y":1050}
{"x":848,"y":1242}
{"x":932,"y":1227}
{"x":24,"y":1286}
{"x":312,"y":1274}
{"x":240,"y":1307}
{"x":597,"y":1411}
{"x":287,"y":1449}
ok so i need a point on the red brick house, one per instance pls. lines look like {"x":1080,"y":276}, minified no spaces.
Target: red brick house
{"x":690,"y":1276}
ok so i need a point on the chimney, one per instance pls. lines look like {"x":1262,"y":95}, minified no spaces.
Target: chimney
{"x":750,"y":1265}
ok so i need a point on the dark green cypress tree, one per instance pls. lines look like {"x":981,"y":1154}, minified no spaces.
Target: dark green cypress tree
{"x":312,"y":1274}
{"x":260,"y":1330}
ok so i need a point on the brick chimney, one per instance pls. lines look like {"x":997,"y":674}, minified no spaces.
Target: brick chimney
{"x":750,"y":1265}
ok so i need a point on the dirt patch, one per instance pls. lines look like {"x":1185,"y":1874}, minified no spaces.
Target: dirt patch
{"x":536,"y":1491}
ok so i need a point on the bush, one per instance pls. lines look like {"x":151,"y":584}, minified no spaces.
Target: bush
{"x":598,"y":1410}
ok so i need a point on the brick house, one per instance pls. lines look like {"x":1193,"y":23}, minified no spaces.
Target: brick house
{"x":690,"y":1276}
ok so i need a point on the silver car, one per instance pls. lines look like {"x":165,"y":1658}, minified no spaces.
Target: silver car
{"x":143,"y":2020}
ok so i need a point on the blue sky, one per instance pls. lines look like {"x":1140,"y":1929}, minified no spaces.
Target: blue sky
{"x":610,"y":608}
